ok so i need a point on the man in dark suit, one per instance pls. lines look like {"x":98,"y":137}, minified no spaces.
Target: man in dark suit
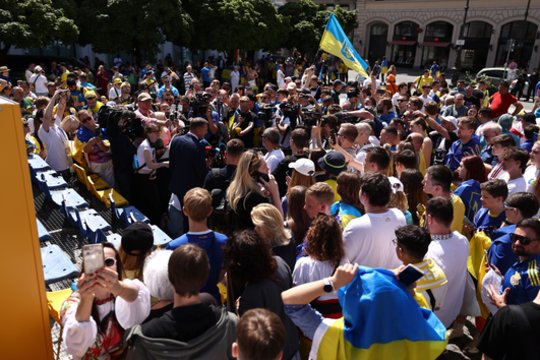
{"x":188,"y":169}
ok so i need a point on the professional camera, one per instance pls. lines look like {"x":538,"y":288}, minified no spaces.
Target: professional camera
{"x":345,"y":117}
{"x":266,"y":115}
{"x":121,"y":119}
{"x":290,"y":111}
{"x":199,"y":104}
{"x":311,"y":115}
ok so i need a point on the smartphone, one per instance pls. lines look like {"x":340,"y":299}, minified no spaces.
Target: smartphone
{"x":410,"y":274}
{"x":257,"y":176}
{"x":93,"y":258}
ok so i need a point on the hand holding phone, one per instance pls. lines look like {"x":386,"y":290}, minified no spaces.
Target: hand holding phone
{"x":410,"y":274}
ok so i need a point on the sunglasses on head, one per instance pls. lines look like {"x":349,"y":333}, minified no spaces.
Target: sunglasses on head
{"x":110,"y":261}
{"x":522,"y":239}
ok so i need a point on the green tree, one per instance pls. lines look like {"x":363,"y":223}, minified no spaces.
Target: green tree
{"x":136,"y":26}
{"x":33,"y":23}
{"x":307,"y":21}
{"x":231,"y":24}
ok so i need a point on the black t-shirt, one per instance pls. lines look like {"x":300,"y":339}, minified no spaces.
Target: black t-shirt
{"x":219,"y":179}
{"x":287,"y":252}
{"x":513,"y":333}
{"x":183,"y":323}
{"x":242,"y":215}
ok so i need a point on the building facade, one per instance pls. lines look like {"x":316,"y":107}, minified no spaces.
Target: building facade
{"x":414,"y":33}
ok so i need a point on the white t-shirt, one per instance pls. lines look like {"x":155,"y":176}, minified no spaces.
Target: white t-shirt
{"x":308,"y":269}
{"x":280,"y":79}
{"x":40,"y":83}
{"x":530,"y":175}
{"x":368,"y":239}
{"x":451,"y":255}
{"x":273,"y":158}
{"x":516,"y":185}
{"x":56,"y":142}
{"x":145,"y":145}
{"x":114,"y":93}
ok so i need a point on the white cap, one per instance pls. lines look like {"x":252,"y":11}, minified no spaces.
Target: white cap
{"x":304,"y":166}
{"x":38,"y":68}
{"x":396,"y":184}
{"x":451,"y":119}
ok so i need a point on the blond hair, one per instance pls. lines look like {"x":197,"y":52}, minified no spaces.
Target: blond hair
{"x":198,"y":204}
{"x":398,"y":200}
{"x":269,"y":219}
{"x":243,"y":182}
{"x":299,"y":179}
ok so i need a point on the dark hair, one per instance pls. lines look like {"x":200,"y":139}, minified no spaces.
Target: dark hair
{"x":412,"y":186}
{"x":300,"y":138}
{"x":441,"y":209}
{"x":260,"y":335}
{"x":379,"y":156}
{"x":525,"y":202}
{"x":235,"y":147}
{"x":469,"y":121}
{"x":295,"y":211}
{"x":391,"y":131}
{"x":324,"y":240}
{"x":407,"y":158}
{"x":504,"y":140}
{"x":188,"y":269}
{"x":441,"y":175}
{"x":348,"y":187}
{"x":485,"y":111}
{"x":197,"y":122}
{"x":529,"y":131}
{"x":517,"y":154}
{"x":248,"y":258}
{"x":475,"y":168}
{"x":416,"y":101}
{"x":348,"y":131}
{"x":377,"y":188}
{"x":414,"y":240}
{"x":495,"y":188}
{"x":530,"y":223}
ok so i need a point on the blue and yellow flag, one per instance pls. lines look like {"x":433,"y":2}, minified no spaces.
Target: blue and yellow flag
{"x":381,"y":320}
{"x":335,"y":42}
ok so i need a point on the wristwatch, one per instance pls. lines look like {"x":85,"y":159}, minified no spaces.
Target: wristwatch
{"x":328,"y":286}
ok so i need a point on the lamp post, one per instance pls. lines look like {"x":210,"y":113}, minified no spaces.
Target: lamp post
{"x":459,"y":47}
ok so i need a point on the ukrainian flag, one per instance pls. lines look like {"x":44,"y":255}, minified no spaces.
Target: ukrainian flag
{"x":335,"y":42}
{"x":381,"y":320}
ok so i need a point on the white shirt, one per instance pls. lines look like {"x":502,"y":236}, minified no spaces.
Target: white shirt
{"x":530,"y":175}
{"x":308,"y":269}
{"x":114,"y":93}
{"x":273,"y":158}
{"x":145,"y":145}
{"x":57,"y":145}
{"x":368,"y":239}
{"x":280,"y":79}
{"x":451,"y":255}
{"x":40,"y":83}
{"x":516,"y":185}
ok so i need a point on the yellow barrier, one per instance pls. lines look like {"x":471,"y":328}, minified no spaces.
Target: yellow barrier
{"x":25,"y":331}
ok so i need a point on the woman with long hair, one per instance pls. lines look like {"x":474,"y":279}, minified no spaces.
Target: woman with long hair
{"x":416,"y":198}
{"x":95,"y":316}
{"x":532,"y":173}
{"x":250,"y":186}
{"x":256,"y":280}
{"x":297,"y":219}
{"x":324,"y":251}
{"x":269,"y":226}
{"x":472,"y":173}
{"x":349,"y":207}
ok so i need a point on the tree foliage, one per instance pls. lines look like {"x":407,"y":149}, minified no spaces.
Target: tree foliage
{"x":132,"y":25}
{"x":33,"y":23}
{"x":307,"y":21}
{"x":231,"y":24}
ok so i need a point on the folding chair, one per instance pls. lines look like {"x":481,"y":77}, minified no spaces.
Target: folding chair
{"x":50,"y":180}
{"x":109,"y":236}
{"x":127,"y":214}
{"x":103,"y":195}
{"x":160,"y":238}
{"x":55,"y":299}
{"x":56,"y":264}
{"x":67,"y":198}
{"x":83,"y":175}
{"x":37,"y":164}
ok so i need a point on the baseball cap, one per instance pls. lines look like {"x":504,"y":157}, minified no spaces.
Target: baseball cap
{"x":450,"y":119}
{"x":117,"y":80}
{"x":90,"y":94}
{"x":137,"y":239}
{"x":38,"y":68}
{"x":4,"y":68}
{"x":395,"y":184}
{"x":144,"y":97}
{"x":305,"y":167}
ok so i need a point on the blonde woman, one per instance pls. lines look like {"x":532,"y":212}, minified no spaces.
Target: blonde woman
{"x":270,"y":227}
{"x":250,"y":187}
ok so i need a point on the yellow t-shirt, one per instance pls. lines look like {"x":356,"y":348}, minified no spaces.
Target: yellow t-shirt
{"x":459,"y":214}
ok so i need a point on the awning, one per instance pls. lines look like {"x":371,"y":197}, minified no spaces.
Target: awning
{"x":436,"y":43}
{"x":403,"y":42}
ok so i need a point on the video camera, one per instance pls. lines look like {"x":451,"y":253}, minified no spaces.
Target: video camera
{"x":311,"y":115}
{"x":199,"y":104}
{"x":290,"y":111}
{"x":266,"y":114}
{"x":120,"y":119}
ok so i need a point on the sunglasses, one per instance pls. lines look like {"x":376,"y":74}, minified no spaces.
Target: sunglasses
{"x":522,"y":239}
{"x":110,"y":261}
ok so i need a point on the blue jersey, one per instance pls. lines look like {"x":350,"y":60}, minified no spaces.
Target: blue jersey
{"x":483,"y":220}
{"x":469,"y":192}
{"x":523,"y":280}
{"x":458,"y":151}
{"x":500,"y":252}
{"x":213,"y":243}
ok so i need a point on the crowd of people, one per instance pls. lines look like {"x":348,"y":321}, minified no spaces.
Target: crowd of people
{"x":274,"y":180}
